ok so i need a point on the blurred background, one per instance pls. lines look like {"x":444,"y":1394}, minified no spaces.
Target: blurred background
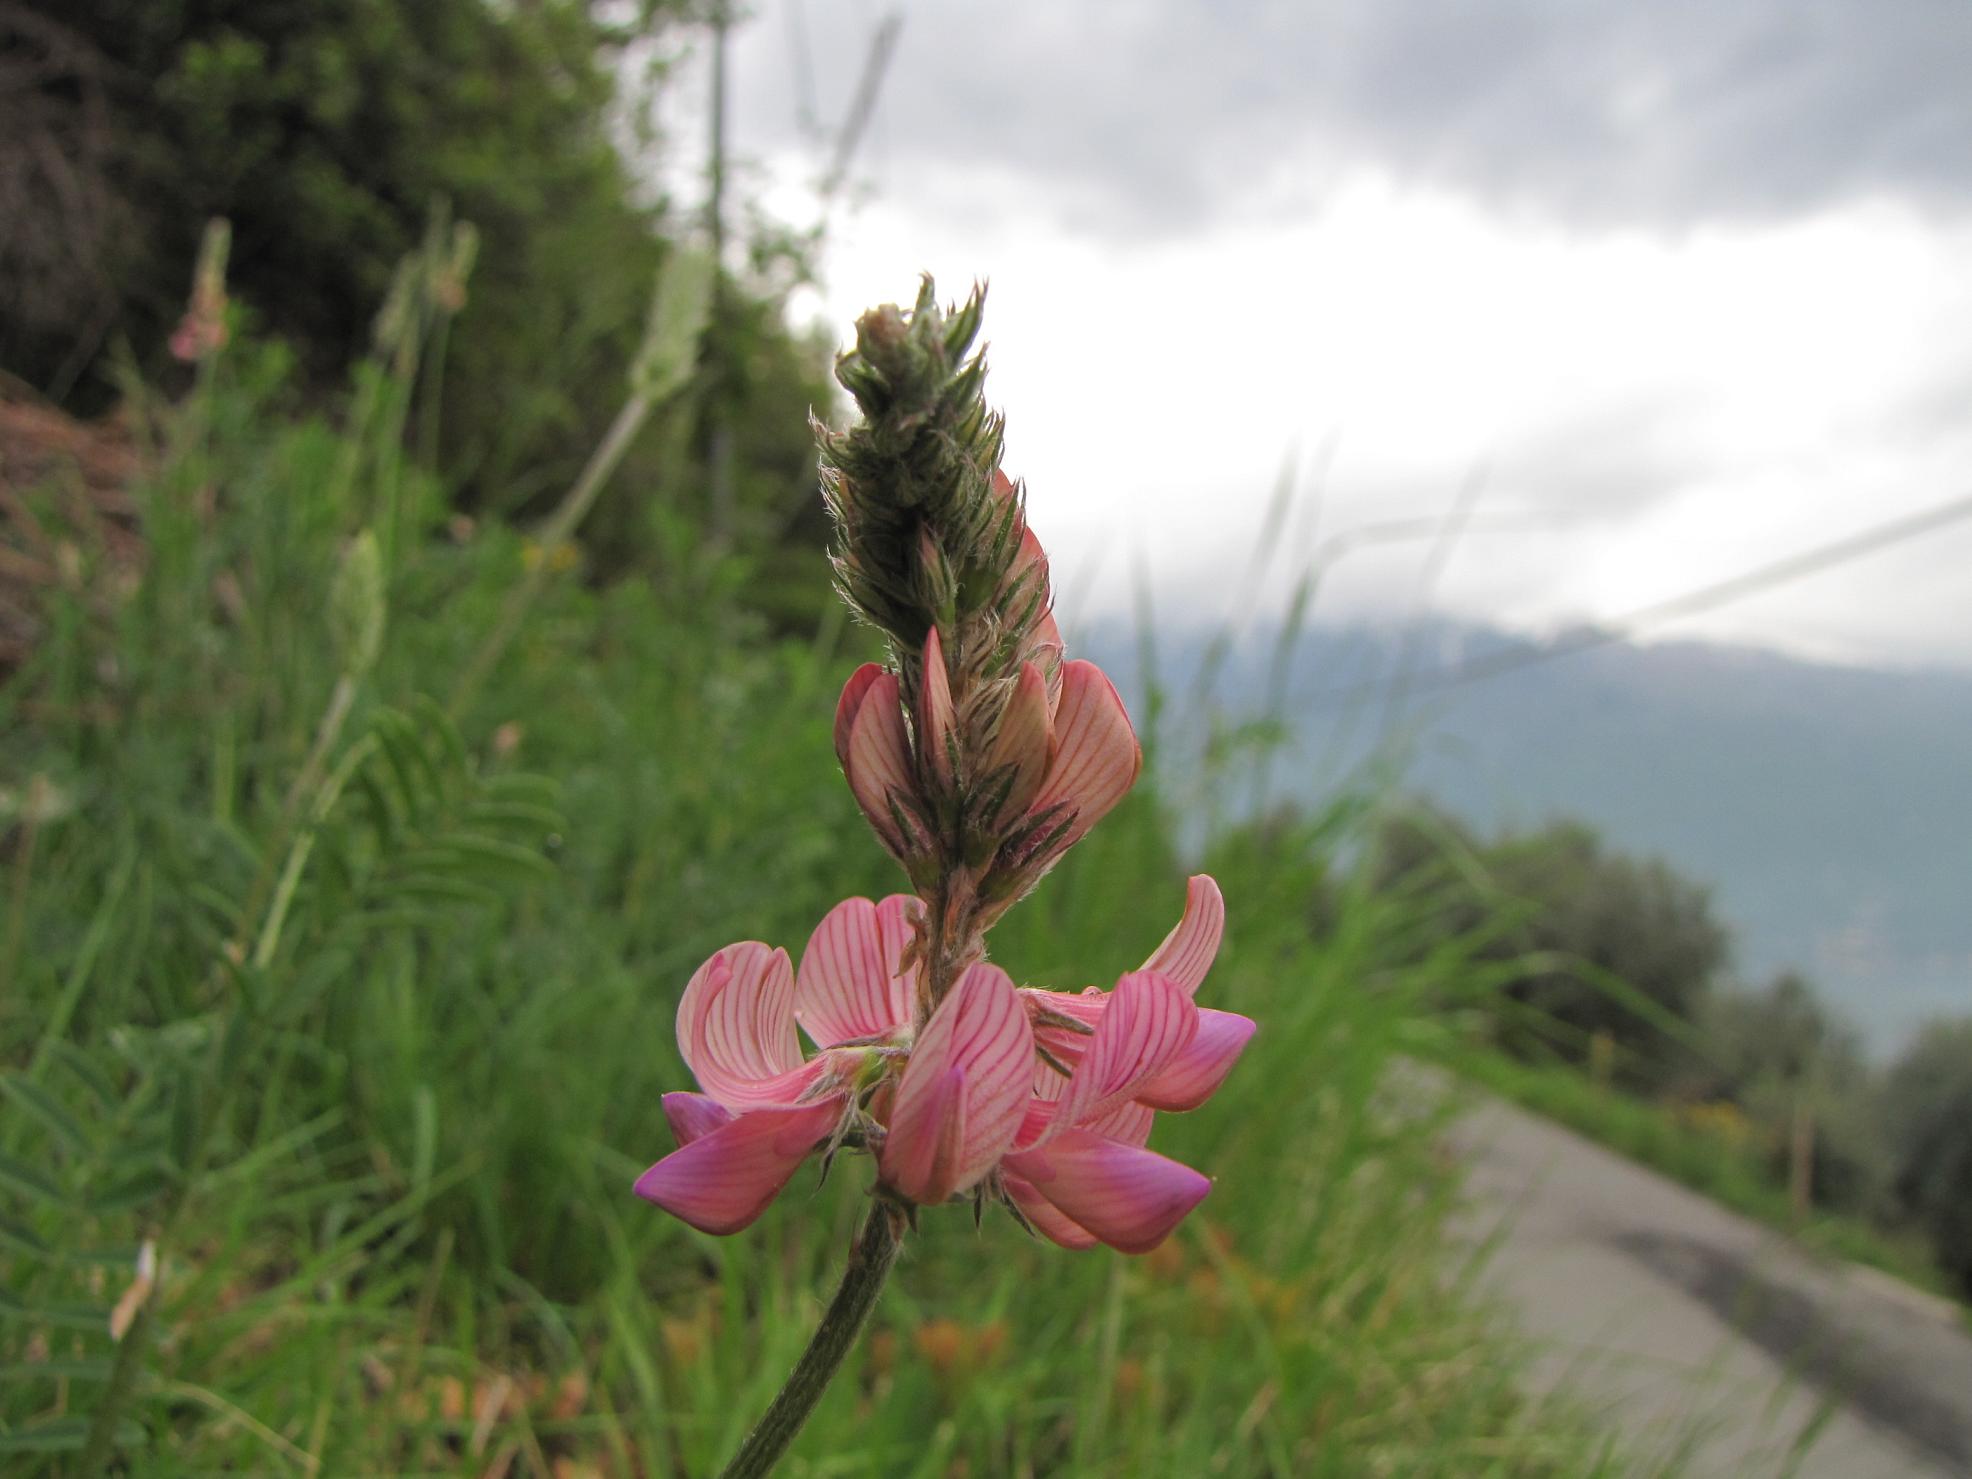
{"x":1513,"y":461}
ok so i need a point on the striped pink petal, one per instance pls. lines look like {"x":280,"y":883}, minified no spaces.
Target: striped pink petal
{"x":722,"y":1180}
{"x":1128,"y":1122}
{"x":935,"y":710}
{"x":1024,"y":742}
{"x":1096,"y":754}
{"x":848,"y":986}
{"x":1063,"y":1044}
{"x":851,"y":704}
{"x":693,"y":1116}
{"x":960,"y":1100}
{"x":877,"y":758}
{"x":1188,"y":951}
{"x":1147,"y":1024}
{"x":897,"y":922}
{"x":736,"y":1028}
{"x":1195,"y":1074}
{"x":1127,"y":1197}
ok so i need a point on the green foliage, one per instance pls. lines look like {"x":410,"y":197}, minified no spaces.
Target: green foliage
{"x":1927,"y":1102}
{"x":1610,"y":945}
{"x":384,"y":1024}
{"x":330,"y":134}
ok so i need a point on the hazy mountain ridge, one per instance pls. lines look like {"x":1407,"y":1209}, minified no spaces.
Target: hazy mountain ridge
{"x":1829,"y":806}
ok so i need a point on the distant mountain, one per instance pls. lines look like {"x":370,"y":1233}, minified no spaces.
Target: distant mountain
{"x":1830,"y":807}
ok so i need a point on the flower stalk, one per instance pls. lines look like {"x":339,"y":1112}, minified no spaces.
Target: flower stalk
{"x":870,"y":1261}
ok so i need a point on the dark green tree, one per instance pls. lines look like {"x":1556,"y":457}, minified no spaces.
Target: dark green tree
{"x":1927,"y":1110}
{"x":328,"y":132}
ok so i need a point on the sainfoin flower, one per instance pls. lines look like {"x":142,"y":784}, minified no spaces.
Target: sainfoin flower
{"x":971,"y":1105}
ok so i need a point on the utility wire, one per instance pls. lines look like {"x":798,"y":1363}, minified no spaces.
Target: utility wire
{"x":1705,"y":598}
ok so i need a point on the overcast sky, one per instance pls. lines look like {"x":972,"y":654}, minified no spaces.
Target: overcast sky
{"x":1685,"y":287}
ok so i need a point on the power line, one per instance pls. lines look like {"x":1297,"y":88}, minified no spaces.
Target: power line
{"x":1691,"y":603}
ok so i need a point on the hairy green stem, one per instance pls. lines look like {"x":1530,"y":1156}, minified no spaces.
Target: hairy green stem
{"x":869,"y":1265}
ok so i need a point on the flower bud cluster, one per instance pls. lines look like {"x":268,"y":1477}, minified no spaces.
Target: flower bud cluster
{"x":979,"y":753}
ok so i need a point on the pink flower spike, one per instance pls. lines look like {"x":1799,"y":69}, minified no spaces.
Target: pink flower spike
{"x":1196,"y":1073}
{"x":723,"y":1180}
{"x":1147,"y":1024}
{"x":736,"y":1029}
{"x":1024,"y":741}
{"x":877,"y":759}
{"x":848,"y":987}
{"x":693,"y":1116}
{"x":962,"y":1095}
{"x":1127,"y":1197}
{"x":1096,"y":754}
{"x":1188,"y":951}
{"x":935,"y":708}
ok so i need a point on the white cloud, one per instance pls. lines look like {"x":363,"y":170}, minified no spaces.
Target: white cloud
{"x":1698,"y":395}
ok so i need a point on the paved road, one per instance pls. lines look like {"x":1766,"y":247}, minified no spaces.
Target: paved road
{"x":1699,"y":1334}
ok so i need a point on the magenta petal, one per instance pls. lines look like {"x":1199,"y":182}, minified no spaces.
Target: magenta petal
{"x":723,"y":1180}
{"x":846,"y":988}
{"x":1149,"y":1021}
{"x":736,"y":1028}
{"x":961,"y":1097}
{"x":1128,"y":1197}
{"x":1187,"y":952}
{"x":693,"y":1116}
{"x":1045,"y":1220}
{"x":1196,"y":1073}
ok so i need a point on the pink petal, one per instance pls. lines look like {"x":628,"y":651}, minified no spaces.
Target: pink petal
{"x":1041,"y":1214}
{"x":724,"y":1179}
{"x":877,"y":760}
{"x":847,"y":987}
{"x":935,"y":709}
{"x":1149,"y":1021}
{"x":851,"y":704}
{"x":693,"y":1116}
{"x":897,"y":919}
{"x":1024,"y":742}
{"x":1096,"y":754}
{"x":736,"y":1028}
{"x":1128,"y":1122}
{"x":1128,"y":1197}
{"x":1195,"y":1074}
{"x":1063,"y":1044}
{"x":1188,"y":951}
{"x":962,"y":1095}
